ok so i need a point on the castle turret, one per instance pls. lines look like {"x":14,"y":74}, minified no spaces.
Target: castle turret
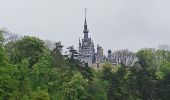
{"x":86,"y":47}
{"x":109,"y":58}
{"x":79,"y":42}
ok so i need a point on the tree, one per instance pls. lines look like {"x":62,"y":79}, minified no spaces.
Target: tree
{"x":125,"y":57}
{"x":40,"y":95}
{"x":75,"y":89}
{"x":97,"y":89}
{"x":50,"y":44}
{"x":29,"y":48}
{"x":86,"y":72}
{"x":10,"y":49}
{"x":3,"y":56}
{"x":164,"y":88}
{"x":107,"y":72}
{"x":9,"y":36}
{"x":118,"y":87}
{"x":8,"y":84}
{"x":57,"y":55}
{"x":72,"y":53}
{"x":1,"y":37}
{"x":145,"y":75}
{"x":164,"y":47}
{"x":146,"y":57}
{"x":40,"y":74}
{"x":163,"y":76}
{"x":22,"y":76}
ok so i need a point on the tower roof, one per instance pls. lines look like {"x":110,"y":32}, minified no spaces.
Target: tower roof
{"x":85,"y":24}
{"x":79,"y":42}
{"x":85,"y":21}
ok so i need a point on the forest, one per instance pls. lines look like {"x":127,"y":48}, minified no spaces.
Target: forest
{"x":29,"y":70}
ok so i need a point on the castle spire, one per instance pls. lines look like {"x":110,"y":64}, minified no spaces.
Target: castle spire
{"x":79,"y":42}
{"x":85,"y":22}
{"x":85,"y":31}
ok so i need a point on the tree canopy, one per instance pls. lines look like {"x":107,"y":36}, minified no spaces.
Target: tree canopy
{"x":29,"y":70}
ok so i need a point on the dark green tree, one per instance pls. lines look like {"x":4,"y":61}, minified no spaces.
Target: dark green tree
{"x":40,"y":95}
{"x":75,"y":89}
{"x":30,"y":48}
{"x":58,"y":58}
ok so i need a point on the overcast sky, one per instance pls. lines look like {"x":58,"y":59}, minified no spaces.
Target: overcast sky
{"x":114,"y":24}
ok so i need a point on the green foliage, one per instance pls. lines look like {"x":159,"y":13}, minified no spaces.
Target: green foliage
{"x":146,"y":57}
{"x":3,"y":56}
{"x":107,"y":72}
{"x":87,"y":73}
{"x":29,"y":48}
{"x":7,"y":83}
{"x":40,"y":95}
{"x":24,"y":84}
{"x":35,"y":73}
{"x":40,"y":74}
{"x":56,"y":53}
{"x":1,"y":37}
{"x":75,"y":89}
{"x":10,"y":49}
{"x":163,"y":70}
{"x":97,"y":88}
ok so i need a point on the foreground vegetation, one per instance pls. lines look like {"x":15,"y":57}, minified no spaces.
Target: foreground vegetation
{"x":30,"y":71}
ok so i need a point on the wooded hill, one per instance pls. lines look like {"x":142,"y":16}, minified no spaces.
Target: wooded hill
{"x":29,"y":70}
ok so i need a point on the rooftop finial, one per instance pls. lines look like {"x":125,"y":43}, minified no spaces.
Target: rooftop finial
{"x":85,"y":31}
{"x":85,"y":11}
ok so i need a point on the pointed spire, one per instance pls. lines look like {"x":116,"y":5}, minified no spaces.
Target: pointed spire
{"x":79,"y":42}
{"x":85,"y":31}
{"x":85,"y":22}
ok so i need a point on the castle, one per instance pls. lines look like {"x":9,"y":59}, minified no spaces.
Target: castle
{"x":87,"y":52}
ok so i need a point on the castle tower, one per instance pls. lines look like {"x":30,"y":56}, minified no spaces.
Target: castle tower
{"x":99,"y":56}
{"x":86,"y":46}
{"x":109,"y":58}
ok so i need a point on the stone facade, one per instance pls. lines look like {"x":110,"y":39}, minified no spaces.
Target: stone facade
{"x":87,"y":52}
{"x":86,"y":47}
